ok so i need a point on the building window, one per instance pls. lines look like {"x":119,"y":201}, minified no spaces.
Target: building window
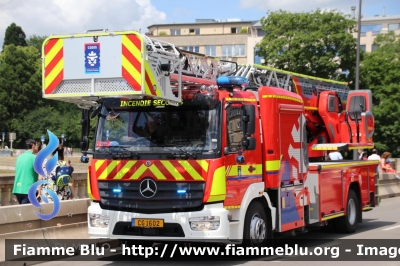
{"x":194,"y":49}
{"x":235,"y":30}
{"x":374,"y":28}
{"x":211,"y":50}
{"x":194,"y":31}
{"x":175,"y":32}
{"x":233,"y":50}
{"x":363,"y":47}
{"x":257,"y":58}
{"x":260,"y":33}
{"x":374,"y":47}
{"x":393,"y":27}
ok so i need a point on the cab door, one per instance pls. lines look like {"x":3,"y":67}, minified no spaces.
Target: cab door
{"x":243,"y":158}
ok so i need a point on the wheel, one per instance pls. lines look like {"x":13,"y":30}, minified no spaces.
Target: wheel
{"x":348,"y":223}
{"x":255,"y":231}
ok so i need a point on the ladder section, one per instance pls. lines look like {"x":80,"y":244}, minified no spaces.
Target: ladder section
{"x":303,"y":85}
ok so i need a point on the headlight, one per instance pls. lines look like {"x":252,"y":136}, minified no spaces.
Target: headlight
{"x":98,"y":220}
{"x":204,"y":223}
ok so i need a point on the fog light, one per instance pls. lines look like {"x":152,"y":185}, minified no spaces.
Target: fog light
{"x":205,"y":223}
{"x":98,"y":220}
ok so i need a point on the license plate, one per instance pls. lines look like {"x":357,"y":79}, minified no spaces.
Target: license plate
{"x":149,"y":223}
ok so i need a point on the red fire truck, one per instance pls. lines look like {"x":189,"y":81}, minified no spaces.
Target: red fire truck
{"x":188,"y":147}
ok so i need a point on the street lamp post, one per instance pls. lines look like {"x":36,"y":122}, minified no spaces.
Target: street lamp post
{"x":357,"y":84}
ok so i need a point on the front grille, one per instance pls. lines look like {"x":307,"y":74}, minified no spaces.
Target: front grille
{"x":169,"y":230}
{"x":125,"y":196}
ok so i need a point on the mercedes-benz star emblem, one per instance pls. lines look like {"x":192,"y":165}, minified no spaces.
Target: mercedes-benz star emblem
{"x":148,"y":188}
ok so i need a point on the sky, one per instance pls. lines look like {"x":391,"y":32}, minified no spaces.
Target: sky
{"x":46,"y":17}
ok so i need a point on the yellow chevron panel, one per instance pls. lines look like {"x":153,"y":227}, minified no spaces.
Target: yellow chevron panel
{"x":157,"y":173}
{"x":192,"y":172}
{"x":109,"y":168}
{"x":98,"y":164}
{"x":152,"y":78}
{"x":139,"y":172}
{"x":54,"y":72}
{"x":172,"y":170}
{"x":203,"y":164}
{"x":53,"y":52}
{"x":124,"y":169}
{"x":132,"y":70}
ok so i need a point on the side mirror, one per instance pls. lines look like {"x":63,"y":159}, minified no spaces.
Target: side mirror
{"x":84,"y":145}
{"x":226,"y":150}
{"x":249,"y":143}
{"x":249,"y":118}
{"x":85,"y":122}
{"x":96,"y":111}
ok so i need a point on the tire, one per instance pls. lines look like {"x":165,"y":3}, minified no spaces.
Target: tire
{"x":348,"y":223}
{"x":256,"y":228}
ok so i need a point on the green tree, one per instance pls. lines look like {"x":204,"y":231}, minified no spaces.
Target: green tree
{"x":380,"y":72}
{"x":20,"y":84}
{"x":14,"y":35}
{"x":37,"y":42}
{"x":317,"y":43}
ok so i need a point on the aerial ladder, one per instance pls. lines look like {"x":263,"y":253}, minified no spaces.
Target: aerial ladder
{"x":337,"y":118}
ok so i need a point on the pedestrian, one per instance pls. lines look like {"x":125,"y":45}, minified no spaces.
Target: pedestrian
{"x":60,"y":179}
{"x":385,"y":166}
{"x":365,"y":156}
{"x":335,"y":156}
{"x":25,"y":174}
{"x":360,"y":154}
{"x":374,"y":155}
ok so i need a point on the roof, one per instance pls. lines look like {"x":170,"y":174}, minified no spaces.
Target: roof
{"x":205,"y":23}
{"x":378,"y":18}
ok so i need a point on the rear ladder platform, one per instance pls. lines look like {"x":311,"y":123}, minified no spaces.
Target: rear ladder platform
{"x":82,"y":68}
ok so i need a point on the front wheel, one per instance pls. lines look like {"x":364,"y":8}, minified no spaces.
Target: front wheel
{"x":348,"y":223}
{"x":255,"y":228}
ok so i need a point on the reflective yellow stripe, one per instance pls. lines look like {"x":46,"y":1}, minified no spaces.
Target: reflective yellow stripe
{"x":53,"y":52}
{"x":361,"y":147}
{"x":124,"y":169}
{"x":192,"y":172}
{"x":233,"y":170}
{"x":98,"y":164}
{"x":132,"y":48}
{"x":282,"y":97}
{"x":332,"y":216}
{"x":311,"y":108}
{"x":273,"y":165}
{"x":54,"y":72}
{"x":89,"y":188}
{"x":218,"y":187}
{"x":232,"y":207}
{"x":175,"y":173}
{"x":139,"y":172}
{"x":348,"y":164}
{"x":241,"y":99}
{"x":109,"y":168}
{"x":157,"y":173}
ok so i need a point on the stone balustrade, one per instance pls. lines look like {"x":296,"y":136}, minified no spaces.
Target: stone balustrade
{"x":7,"y":183}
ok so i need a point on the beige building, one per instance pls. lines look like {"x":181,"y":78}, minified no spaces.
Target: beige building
{"x":371,"y":27}
{"x":235,"y":40}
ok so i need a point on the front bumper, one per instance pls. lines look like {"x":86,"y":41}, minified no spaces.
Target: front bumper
{"x":119,"y":225}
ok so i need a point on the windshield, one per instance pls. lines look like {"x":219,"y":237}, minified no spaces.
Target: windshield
{"x":154,"y":130}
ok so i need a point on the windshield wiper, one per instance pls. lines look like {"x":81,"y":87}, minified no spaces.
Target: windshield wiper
{"x":190,"y":154}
